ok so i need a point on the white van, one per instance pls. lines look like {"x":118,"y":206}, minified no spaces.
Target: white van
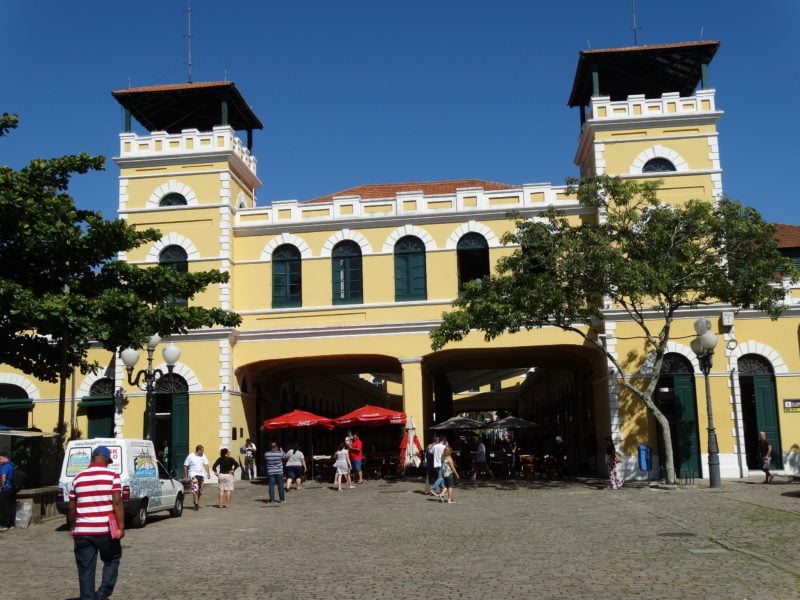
{"x":146,"y":485}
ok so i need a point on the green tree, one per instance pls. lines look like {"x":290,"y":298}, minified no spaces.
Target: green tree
{"x":646,"y":258}
{"x":62,"y":288}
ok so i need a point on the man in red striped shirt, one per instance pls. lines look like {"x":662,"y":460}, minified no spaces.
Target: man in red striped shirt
{"x":95,"y":499}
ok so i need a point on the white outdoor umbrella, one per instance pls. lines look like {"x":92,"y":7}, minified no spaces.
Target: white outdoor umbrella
{"x":413,"y":450}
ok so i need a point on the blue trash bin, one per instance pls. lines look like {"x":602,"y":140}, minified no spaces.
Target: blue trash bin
{"x":645,"y":458}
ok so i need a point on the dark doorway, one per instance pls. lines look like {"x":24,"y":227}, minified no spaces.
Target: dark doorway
{"x":675,"y":397}
{"x":759,"y":408}
{"x":172,"y":421}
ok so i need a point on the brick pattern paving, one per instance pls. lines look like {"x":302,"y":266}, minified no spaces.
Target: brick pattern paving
{"x":499,"y":540}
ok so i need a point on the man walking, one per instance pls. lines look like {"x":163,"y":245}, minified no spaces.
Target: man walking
{"x":437,"y":451}
{"x":356,"y":456}
{"x":195,"y":469}
{"x":274,"y":458}
{"x":765,"y":452}
{"x":8,"y":495}
{"x":94,"y":501}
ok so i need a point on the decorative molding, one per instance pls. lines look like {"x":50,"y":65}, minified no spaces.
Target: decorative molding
{"x":345,"y":234}
{"x":285,"y":238}
{"x":753,"y":347}
{"x":658,"y":151}
{"x":172,"y":239}
{"x":172,"y":186}
{"x":23,"y":382}
{"x":468,"y":227}
{"x":401,"y":232}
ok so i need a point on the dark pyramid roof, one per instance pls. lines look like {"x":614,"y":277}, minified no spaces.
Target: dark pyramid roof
{"x":648,"y":70}
{"x":175,"y":107}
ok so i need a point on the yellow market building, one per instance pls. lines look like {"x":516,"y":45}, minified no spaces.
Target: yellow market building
{"x":338,"y":294}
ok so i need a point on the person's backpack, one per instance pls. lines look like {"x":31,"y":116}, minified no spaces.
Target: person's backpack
{"x":18,"y":477}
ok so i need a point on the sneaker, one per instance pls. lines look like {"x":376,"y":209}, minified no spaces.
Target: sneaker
{"x":3,"y":528}
{"x":196,"y":507}
{"x":451,"y":501}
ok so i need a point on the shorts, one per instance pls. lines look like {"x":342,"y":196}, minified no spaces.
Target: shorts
{"x":225,"y":482}
{"x":197,"y":484}
{"x":765,"y":462}
{"x":356,"y":464}
{"x":450,"y":481}
{"x":294,"y":472}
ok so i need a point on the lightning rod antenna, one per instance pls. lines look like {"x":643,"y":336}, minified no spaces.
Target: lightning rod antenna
{"x":635,"y":27}
{"x":188,"y":36}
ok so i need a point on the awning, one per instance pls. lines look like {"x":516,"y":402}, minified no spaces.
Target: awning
{"x":16,"y":403}
{"x":95,"y":401}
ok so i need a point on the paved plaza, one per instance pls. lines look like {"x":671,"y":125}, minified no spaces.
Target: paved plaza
{"x":499,"y":540}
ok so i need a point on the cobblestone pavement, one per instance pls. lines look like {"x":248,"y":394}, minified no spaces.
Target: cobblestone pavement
{"x":499,"y":540}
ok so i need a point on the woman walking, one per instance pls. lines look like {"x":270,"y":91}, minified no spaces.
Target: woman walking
{"x":613,"y":459}
{"x":295,"y":467}
{"x":342,"y":464}
{"x":225,"y":468}
{"x":449,"y":471}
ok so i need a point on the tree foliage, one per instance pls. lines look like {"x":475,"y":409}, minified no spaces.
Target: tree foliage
{"x":629,"y":253}
{"x":61,"y":286}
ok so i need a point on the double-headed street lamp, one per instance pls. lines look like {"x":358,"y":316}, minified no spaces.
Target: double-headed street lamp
{"x":703,"y":346}
{"x":130,"y":357}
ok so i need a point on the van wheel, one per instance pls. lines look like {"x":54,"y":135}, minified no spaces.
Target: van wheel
{"x":140,"y":518}
{"x":177,"y":511}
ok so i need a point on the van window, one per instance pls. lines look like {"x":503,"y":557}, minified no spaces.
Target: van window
{"x":79,"y":457}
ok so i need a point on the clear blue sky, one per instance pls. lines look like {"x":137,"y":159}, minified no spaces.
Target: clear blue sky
{"x":373,"y":91}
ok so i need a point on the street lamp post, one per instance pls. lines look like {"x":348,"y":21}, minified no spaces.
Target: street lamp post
{"x":703,"y":346}
{"x":130,"y":357}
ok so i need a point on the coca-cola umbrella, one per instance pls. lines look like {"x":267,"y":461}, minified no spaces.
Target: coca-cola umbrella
{"x":298,"y":418}
{"x":371,"y":415}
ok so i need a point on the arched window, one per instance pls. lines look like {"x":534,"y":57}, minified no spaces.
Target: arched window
{"x":286,"y":277}
{"x":473,"y":258}
{"x":658,"y":165}
{"x":14,"y":406}
{"x":176,"y":259}
{"x":173,"y":199}
{"x":409,"y":269}
{"x":347,"y":273}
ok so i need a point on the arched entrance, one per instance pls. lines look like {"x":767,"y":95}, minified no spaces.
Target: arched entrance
{"x":172,"y":420}
{"x":759,"y":408}
{"x":675,"y":397}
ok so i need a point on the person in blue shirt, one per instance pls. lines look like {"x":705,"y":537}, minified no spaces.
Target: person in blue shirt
{"x":8,"y":495}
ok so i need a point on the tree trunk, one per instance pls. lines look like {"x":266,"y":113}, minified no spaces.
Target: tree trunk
{"x":666,"y":438}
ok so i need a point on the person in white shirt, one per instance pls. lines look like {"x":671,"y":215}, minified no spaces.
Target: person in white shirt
{"x":438,"y":451}
{"x":195,"y":469}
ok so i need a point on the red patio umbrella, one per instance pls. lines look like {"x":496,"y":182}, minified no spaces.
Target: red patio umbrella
{"x":371,"y":415}
{"x":297,"y":418}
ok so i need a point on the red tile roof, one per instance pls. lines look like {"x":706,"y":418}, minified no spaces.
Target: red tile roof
{"x":176,"y":86}
{"x":428,"y":188}
{"x":788,"y":236}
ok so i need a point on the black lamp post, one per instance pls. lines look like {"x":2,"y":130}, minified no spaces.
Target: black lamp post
{"x":703,"y":346}
{"x":130,"y":357}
